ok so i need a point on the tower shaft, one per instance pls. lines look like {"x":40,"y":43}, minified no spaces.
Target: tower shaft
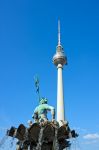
{"x":60,"y":95}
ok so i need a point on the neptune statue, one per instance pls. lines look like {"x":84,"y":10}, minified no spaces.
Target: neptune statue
{"x":40,"y":112}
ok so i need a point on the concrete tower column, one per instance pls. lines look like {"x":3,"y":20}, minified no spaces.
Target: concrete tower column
{"x":60,"y":60}
{"x":60,"y":96}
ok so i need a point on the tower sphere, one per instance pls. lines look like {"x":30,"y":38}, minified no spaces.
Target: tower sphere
{"x":59,"y":57}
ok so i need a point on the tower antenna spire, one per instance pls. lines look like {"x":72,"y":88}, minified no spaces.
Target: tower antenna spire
{"x":59,"y":32}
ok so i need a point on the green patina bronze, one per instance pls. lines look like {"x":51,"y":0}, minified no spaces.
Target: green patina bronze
{"x":40,"y":112}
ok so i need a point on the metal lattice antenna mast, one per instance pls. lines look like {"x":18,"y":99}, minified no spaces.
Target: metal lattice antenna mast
{"x":59,"y":33}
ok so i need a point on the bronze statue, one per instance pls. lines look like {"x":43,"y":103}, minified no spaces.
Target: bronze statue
{"x":40,"y":112}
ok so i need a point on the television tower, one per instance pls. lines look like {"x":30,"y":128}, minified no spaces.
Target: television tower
{"x":59,"y":61}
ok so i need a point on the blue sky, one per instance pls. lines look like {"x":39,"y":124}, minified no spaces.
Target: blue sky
{"x":28,"y":39}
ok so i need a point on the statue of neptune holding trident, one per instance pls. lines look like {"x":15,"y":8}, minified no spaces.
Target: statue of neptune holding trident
{"x":40,"y":112}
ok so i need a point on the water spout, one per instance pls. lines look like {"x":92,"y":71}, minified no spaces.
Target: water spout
{"x":3,"y":140}
{"x":39,"y":144}
{"x":55,"y":142}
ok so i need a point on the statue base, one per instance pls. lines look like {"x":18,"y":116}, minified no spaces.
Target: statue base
{"x":42,"y":136}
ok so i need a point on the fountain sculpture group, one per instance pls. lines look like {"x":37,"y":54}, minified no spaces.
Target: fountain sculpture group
{"x":42,"y":134}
